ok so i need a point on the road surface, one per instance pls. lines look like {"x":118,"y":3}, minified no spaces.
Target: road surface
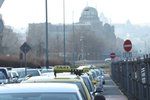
{"x":111,"y":90}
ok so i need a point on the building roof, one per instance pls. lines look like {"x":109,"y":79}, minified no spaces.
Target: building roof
{"x":89,"y":14}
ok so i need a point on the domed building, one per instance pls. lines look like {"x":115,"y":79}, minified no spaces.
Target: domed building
{"x":104,"y":31}
{"x":93,"y":40}
{"x":89,"y":15}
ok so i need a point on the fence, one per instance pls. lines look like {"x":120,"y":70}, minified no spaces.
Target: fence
{"x":133,"y":77}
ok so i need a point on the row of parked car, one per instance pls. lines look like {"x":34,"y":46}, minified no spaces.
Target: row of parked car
{"x":16,"y":75}
{"x":83,"y":82}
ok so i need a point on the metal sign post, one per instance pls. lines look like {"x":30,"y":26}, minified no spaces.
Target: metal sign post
{"x":25,"y":60}
{"x":21,"y":58}
{"x":127,"y":47}
{"x":25,"y":48}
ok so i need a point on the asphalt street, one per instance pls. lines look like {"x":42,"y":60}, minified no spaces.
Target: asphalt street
{"x":111,"y":90}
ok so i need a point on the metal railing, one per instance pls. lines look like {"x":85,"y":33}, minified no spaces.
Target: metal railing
{"x":133,"y":77}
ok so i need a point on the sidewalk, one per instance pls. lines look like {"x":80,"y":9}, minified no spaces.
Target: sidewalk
{"x":111,"y":90}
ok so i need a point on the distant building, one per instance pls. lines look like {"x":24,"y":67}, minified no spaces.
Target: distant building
{"x":88,"y":22}
{"x":138,"y":34}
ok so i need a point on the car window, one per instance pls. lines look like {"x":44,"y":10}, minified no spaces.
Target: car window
{"x":2,"y":76}
{"x":82,"y":90}
{"x":46,"y":70}
{"x":93,"y":74}
{"x":39,"y":96}
{"x":33,"y":72}
{"x":4,"y":72}
{"x":88,"y":84}
{"x":29,"y":72}
{"x":14,"y":74}
{"x":21,"y":73}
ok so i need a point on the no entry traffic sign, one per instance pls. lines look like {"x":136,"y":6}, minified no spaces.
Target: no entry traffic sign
{"x":112,"y":55}
{"x":127,"y":45}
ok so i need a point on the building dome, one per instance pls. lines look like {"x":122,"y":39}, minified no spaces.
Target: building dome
{"x":89,"y":14}
{"x":89,"y":11}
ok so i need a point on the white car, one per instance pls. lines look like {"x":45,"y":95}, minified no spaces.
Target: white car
{"x":25,"y":72}
{"x":40,"y":91}
{"x":4,"y":76}
{"x":13,"y":76}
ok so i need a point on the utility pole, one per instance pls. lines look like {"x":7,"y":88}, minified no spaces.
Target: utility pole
{"x":46,"y":24}
{"x":1,"y":2}
{"x":73,"y":39}
{"x":64,"y":32}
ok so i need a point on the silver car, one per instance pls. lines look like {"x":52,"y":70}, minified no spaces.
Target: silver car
{"x":4,"y":76}
{"x":40,"y":91}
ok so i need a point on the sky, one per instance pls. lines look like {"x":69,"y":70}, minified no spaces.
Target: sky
{"x":18,"y":13}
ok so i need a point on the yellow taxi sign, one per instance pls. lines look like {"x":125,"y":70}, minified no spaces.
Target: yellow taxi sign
{"x":85,"y":70}
{"x":62,"y":68}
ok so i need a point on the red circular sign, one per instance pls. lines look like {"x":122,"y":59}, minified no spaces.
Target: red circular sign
{"x":127,"y":45}
{"x":112,"y":55}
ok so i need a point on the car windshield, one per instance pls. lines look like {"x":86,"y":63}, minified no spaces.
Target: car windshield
{"x":33,"y":72}
{"x":22,"y":73}
{"x":46,"y":70}
{"x":4,"y":72}
{"x":79,"y":84}
{"x":2,"y":76}
{"x":38,"y":96}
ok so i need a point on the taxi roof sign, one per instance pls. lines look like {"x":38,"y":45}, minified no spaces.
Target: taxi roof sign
{"x":86,"y":70}
{"x":62,"y":68}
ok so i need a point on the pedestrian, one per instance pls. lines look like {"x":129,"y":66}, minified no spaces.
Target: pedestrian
{"x":99,"y":97}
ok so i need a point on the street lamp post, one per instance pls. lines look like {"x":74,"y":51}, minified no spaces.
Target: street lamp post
{"x":64,"y":31}
{"x":82,"y":51}
{"x":73,"y":38}
{"x":46,"y":24}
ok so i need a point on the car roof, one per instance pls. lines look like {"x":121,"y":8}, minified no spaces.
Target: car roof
{"x":3,"y":68}
{"x":38,"y":87}
{"x":18,"y":69}
{"x":85,"y":66}
{"x":50,"y":79}
{"x":47,"y":79}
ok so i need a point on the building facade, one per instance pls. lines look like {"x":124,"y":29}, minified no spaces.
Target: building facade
{"x":87,"y":39}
